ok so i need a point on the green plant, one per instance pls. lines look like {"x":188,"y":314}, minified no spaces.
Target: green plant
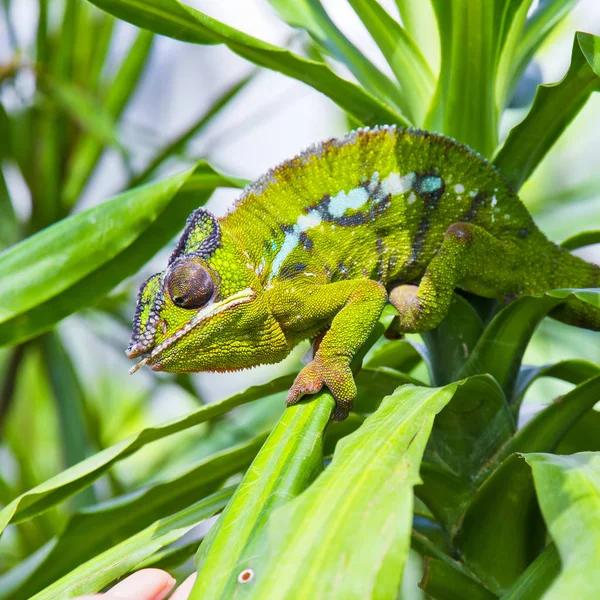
{"x":495,"y":511}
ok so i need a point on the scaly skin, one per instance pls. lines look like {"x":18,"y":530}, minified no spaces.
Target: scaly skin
{"x":323,"y":241}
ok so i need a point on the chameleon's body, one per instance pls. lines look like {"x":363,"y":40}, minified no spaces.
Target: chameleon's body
{"x":322,"y":242}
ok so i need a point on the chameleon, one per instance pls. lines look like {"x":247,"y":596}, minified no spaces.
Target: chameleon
{"x":316,"y":247}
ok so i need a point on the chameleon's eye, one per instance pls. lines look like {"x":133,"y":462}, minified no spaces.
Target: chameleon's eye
{"x":190,"y":285}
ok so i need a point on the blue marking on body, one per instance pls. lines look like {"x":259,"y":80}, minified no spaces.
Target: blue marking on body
{"x":344,"y":201}
{"x":431,"y":184}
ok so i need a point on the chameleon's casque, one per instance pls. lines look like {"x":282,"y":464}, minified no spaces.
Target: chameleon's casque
{"x":322,"y":242}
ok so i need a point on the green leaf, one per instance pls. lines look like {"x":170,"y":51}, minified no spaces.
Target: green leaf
{"x":9,"y":226}
{"x":444,"y":582}
{"x":288,"y":462}
{"x":397,"y":354}
{"x":538,"y":576}
{"x":78,"y":477}
{"x":583,"y":436}
{"x":95,"y":574}
{"x":96,"y":529}
{"x":312,"y":17}
{"x":502,"y":345}
{"x":581,"y":239}
{"x":550,"y":425}
{"x":465,"y":437}
{"x":554,"y":107}
{"x":538,"y":27}
{"x":89,"y":148}
{"x":70,"y":402}
{"x":80,"y":259}
{"x":176,"y":20}
{"x":573,"y":371}
{"x":402,"y":54}
{"x":473,"y":36}
{"x":348,"y":534}
{"x":451,"y":343}
{"x":568,"y":489}
{"x":83,"y":108}
{"x":502,"y":530}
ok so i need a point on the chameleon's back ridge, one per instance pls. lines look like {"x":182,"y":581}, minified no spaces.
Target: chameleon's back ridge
{"x":387,"y":192}
{"x":318,"y":245}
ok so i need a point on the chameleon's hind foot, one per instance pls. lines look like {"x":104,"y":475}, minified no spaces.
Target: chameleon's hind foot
{"x":336,"y":375}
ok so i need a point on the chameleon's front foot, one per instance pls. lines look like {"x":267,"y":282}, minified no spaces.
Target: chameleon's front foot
{"x":336,"y":375}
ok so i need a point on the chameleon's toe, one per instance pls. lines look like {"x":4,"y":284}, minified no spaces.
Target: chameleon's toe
{"x":336,"y":375}
{"x":308,"y":381}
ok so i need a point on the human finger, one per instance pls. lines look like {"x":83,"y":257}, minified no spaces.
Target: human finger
{"x":147,"y":584}
{"x":183,"y":591}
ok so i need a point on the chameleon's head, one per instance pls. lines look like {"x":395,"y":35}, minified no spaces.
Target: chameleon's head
{"x":206,"y":311}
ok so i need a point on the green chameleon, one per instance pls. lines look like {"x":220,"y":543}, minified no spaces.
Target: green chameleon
{"x":317,"y":246}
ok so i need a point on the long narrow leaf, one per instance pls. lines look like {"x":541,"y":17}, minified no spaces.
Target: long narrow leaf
{"x":96,"y":529}
{"x":554,"y":107}
{"x":311,"y":16}
{"x":402,"y":54}
{"x":289,"y":461}
{"x":87,"y":152}
{"x":473,"y":35}
{"x":80,"y":476}
{"x":176,"y":20}
{"x":94,"y":574}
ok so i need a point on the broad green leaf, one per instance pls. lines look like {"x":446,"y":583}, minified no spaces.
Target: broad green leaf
{"x":451,"y":343}
{"x":581,"y":239}
{"x":568,"y":490}
{"x":78,"y":477}
{"x":418,"y":18}
{"x":473,"y":35}
{"x":312,"y":17}
{"x":98,"y":572}
{"x":554,"y":107}
{"x":465,"y":437}
{"x":502,"y":530}
{"x":538,"y":576}
{"x":91,"y":531}
{"x":176,"y":20}
{"x":88,"y":150}
{"x":77,"y":261}
{"x":348,"y":534}
{"x":443,"y":582}
{"x":374,"y":384}
{"x":502,"y":345}
{"x":549,"y":426}
{"x":290,"y":459}
{"x":402,"y":54}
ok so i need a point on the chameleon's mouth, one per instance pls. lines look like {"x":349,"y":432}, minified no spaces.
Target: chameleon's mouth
{"x":241,"y":297}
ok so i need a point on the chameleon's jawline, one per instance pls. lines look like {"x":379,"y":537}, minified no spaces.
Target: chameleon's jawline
{"x":241,"y":297}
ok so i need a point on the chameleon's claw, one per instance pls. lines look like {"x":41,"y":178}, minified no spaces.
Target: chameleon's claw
{"x":337,"y":376}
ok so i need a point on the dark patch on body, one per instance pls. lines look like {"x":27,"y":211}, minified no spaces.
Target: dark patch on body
{"x":306,"y":241}
{"x":478,"y":202}
{"x":292,"y":270}
{"x":430,"y":197}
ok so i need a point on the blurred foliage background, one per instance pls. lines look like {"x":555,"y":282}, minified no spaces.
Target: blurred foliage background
{"x":91,"y":106}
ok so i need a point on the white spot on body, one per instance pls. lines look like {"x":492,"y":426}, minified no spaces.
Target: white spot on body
{"x":494,"y":201}
{"x":412,"y":198}
{"x":395,"y":184}
{"x":459,"y":188}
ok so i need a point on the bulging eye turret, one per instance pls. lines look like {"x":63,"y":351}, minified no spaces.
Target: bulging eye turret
{"x":189,"y":284}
